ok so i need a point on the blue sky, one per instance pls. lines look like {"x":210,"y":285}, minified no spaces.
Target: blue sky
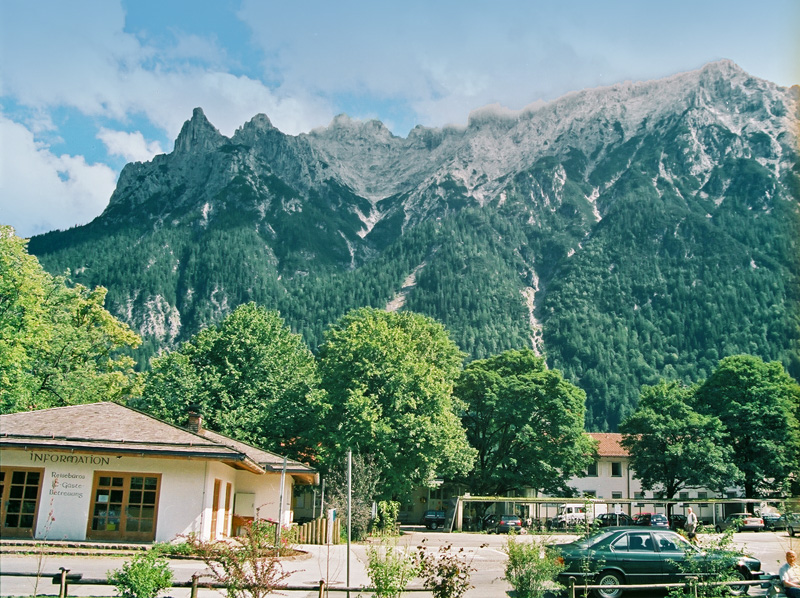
{"x":87,"y":86}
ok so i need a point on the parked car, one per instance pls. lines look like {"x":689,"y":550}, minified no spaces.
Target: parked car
{"x":741,"y":522}
{"x":677,"y":521}
{"x":652,"y":519}
{"x":635,"y":555}
{"x":638,"y":515}
{"x":503,"y":524}
{"x":433,"y":519}
{"x":793,"y":524}
{"x":613,"y":519}
{"x":774,"y":521}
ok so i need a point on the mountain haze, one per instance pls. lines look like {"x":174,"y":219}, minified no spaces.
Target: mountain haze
{"x":628,"y":233}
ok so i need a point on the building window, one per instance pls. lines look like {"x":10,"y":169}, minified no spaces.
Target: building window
{"x":639,"y":495}
{"x":124,"y":506}
{"x":590,"y":493}
{"x":616,"y":469}
{"x":684,"y":495}
{"x":20,"y":490}
{"x":702,"y":496}
{"x":591,"y":471}
{"x":616,"y":495}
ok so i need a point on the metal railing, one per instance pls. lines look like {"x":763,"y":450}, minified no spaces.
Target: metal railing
{"x":691,"y":585}
{"x":64,"y":579}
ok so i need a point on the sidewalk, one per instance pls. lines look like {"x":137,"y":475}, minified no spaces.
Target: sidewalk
{"x":327,"y":563}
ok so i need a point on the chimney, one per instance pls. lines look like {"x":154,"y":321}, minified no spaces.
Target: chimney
{"x":195,"y":423}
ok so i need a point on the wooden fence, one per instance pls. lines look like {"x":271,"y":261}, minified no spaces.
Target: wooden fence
{"x":316,"y":532}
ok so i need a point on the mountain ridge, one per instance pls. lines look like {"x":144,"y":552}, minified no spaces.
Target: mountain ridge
{"x":520,"y":218}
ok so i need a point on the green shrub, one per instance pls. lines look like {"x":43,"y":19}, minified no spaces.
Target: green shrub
{"x":390,"y":569}
{"x":388,"y":513}
{"x":144,"y":576}
{"x":532,"y":567}
{"x":183,"y":548}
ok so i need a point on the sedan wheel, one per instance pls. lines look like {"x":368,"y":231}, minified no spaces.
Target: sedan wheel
{"x":608,"y":578}
{"x":434,"y":525}
{"x":738,"y":590}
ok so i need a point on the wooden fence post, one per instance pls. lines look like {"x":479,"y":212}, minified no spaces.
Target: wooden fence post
{"x":62,"y":590}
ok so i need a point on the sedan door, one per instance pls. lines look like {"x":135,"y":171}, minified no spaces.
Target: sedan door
{"x":638,"y":557}
{"x":672,"y":549}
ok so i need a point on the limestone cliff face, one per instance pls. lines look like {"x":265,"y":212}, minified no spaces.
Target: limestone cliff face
{"x":703,"y":116}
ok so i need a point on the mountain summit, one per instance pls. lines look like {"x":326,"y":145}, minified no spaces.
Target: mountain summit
{"x":630,"y":232}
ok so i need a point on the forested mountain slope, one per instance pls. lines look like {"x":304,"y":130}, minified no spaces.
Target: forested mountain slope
{"x":627,"y":233}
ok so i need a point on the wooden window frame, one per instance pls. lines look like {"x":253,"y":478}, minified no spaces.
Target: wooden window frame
{"x":226,"y":522}
{"x":19,"y":532}
{"x":122,"y":534}
{"x":215,"y":508}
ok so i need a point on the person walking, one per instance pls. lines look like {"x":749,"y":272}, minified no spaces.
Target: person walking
{"x":691,"y":526}
{"x":790,"y":575}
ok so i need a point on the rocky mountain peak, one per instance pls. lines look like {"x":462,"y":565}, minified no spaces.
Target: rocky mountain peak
{"x":198,"y":135}
{"x":255,"y":129}
{"x":344,"y":127}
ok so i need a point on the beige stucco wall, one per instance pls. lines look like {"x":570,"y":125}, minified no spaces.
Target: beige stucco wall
{"x":185,"y":497}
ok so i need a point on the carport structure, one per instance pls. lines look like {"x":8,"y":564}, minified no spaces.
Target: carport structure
{"x":540,"y":509}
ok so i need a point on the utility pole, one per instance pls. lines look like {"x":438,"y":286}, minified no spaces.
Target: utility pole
{"x":349,"y":512}
{"x":280,"y":510}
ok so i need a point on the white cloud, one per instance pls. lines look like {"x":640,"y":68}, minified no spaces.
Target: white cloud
{"x":78,"y":54}
{"x":40,"y":191}
{"x":131,"y":146}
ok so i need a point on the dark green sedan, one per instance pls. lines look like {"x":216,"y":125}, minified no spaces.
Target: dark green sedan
{"x":632,"y":555}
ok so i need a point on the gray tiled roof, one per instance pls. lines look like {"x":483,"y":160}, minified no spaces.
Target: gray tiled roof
{"x":267,"y":460}
{"x":112,"y":428}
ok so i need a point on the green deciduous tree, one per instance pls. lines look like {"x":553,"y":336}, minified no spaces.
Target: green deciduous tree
{"x":389,"y":379}
{"x":757,"y":403}
{"x":672,"y":446}
{"x":526,"y":423}
{"x":58,"y":344}
{"x":249,"y":376}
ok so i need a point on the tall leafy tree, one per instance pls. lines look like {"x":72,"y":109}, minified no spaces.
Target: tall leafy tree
{"x":757,"y":403}
{"x":58,"y":344}
{"x":672,"y":446}
{"x":526,"y":423}
{"x":249,"y":376}
{"x":389,"y":380}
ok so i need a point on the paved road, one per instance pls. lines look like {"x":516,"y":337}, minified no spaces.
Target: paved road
{"x":485,"y":552}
